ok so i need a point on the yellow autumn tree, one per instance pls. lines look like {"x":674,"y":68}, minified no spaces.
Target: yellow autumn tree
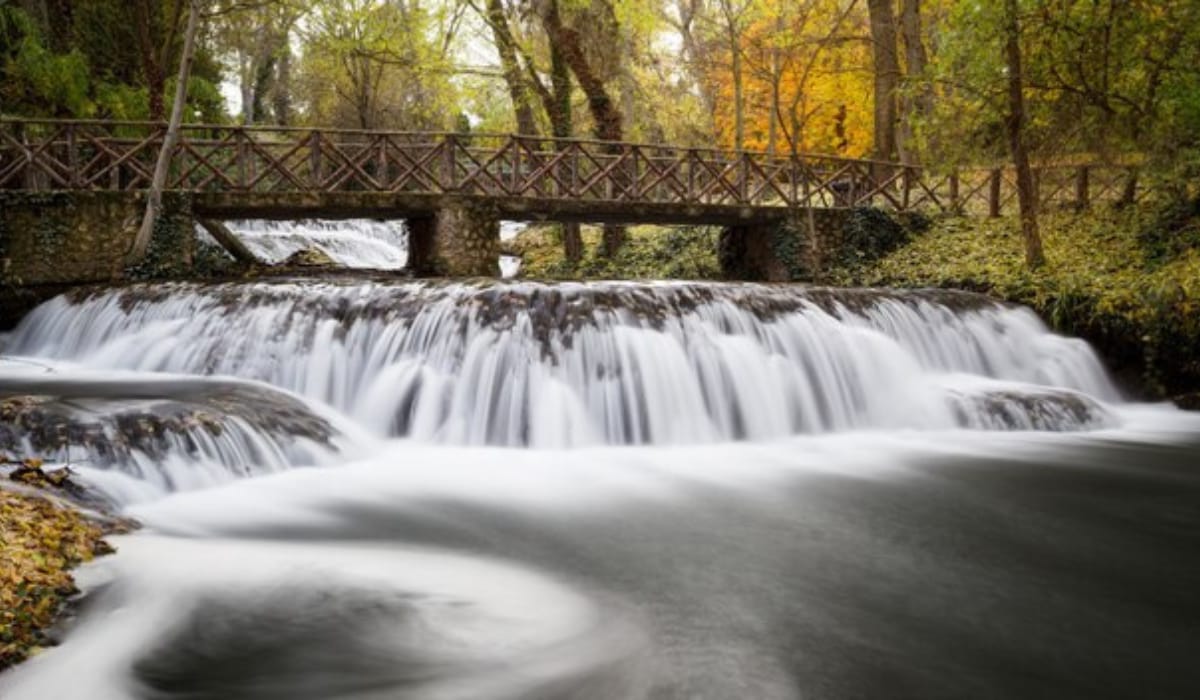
{"x":805,"y":73}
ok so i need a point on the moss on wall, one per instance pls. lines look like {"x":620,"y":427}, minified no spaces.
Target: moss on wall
{"x":51,"y":238}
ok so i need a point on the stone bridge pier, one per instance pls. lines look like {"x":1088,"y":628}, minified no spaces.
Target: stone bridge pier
{"x":460,"y":239}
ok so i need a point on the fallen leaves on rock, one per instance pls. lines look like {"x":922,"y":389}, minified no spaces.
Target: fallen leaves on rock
{"x":39,"y":542}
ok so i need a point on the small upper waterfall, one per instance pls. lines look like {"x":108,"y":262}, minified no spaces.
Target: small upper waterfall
{"x":359,"y":243}
{"x":600,"y":363}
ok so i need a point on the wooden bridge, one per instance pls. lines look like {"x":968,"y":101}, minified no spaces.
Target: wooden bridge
{"x":262,"y":160}
{"x":280,"y":172}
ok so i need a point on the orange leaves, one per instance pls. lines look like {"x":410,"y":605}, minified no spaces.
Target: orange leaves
{"x":805,"y":73}
{"x":39,"y":542}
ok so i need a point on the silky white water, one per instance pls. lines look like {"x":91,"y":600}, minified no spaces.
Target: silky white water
{"x":377,"y":489}
{"x":569,"y":365}
{"x":356,"y":243}
{"x":349,"y":243}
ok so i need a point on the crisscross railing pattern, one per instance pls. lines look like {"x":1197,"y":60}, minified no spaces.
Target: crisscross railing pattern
{"x":119,"y":156}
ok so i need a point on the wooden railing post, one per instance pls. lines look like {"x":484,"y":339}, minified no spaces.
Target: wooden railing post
{"x":1129,"y":192}
{"x":573,"y":189}
{"x":794,"y":180}
{"x":240,"y":140}
{"x":744,"y":179}
{"x":449,"y":143}
{"x":114,"y":170}
{"x":907,"y":182}
{"x":381,"y":164}
{"x":515,"y":177}
{"x":314,"y":159}
{"x":805,"y":184}
{"x":73,"y":157}
{"x":26,"y":179}
{"x":691,"y":175}
{"x":994,"y":181}
{"x":1082,"y":196}
{"x":955,"y":205}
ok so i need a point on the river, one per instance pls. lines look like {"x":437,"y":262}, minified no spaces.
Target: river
{"x":360,"y":487}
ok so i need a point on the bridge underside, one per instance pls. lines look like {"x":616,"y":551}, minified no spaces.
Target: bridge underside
{"x":62,"y":238}
{"x":382,"y":205}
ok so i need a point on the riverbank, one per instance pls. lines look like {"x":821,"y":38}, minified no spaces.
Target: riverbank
{"x":1127,"y":281}
{"x":42,"y":537}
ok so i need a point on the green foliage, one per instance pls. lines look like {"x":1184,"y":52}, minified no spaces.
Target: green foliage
{"x":870,"y":233}
{"x":650,"y":252}
{"x":1173,"y":231}
{"x":87,"y":65}
{"x":1096,"y":282}
{"x":35,"y":79}
{"x":375,"y":65}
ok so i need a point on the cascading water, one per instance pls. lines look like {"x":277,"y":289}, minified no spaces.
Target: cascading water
{"x":531,"y":364}
{"x":359,"y":243}
{"x":604,"y":491}
{"x":350,"y":243}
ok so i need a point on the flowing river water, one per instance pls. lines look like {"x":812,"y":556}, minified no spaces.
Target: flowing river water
{"x":370,"y":488}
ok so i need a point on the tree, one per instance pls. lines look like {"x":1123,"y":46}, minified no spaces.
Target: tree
{"x":159,"y":181}
{"x":516,"y":79}
{"x":254,"y":39}
{"x":887,"y":76}
{"x":917,"y":98}
{"x":1015,"y":123}
{"x":606,"y":118}
{"x":375,"y":65}
{"x":734,"y":16}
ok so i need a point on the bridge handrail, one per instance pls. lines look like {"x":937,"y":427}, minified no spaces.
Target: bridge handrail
{"x":37,"y":153}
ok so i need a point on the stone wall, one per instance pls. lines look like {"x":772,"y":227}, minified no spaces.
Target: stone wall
{"x":50,"y":241}
{"x":83,"y":237}
{"x":458,"y":240}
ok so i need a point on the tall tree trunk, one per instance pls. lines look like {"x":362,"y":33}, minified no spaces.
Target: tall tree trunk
{"x":606,"y":116}
{"x":560,"y":124}
{"x":281,"y":91}
{"x":518,"y":87}
{"x":918,"y":99}
{"x":153,"y":71}
{"x":739,"y":90}
{"x":567,"y":40}
{"x":1015,"y":126}
{"x":887,"y":76}
{"x":161,"y":167}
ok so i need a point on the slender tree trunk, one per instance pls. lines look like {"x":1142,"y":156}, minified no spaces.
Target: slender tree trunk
{"x":162,"y":166}
{"x":887,"y":76}
{"x":1015,"y":126}
{"x":560,"y":124}
{"x":739,"y":89}
{"x":506,"y":47}
{"x":918,"y":101}
{"x":281,"y":92}
{"x":776,"y":78}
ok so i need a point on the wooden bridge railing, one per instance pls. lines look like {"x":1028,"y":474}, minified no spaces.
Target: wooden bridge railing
{"x":106,"y":155}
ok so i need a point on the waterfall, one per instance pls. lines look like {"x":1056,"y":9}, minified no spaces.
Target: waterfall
{"x":601,"y":490}
{"x":359,"y":243}
{"x":601,"y":363}
{"x":139,"y":435}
